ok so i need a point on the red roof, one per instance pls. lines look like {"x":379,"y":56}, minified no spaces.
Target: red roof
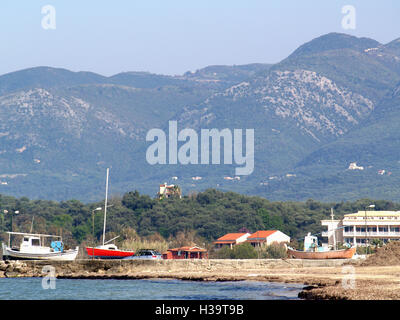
{"x":189,"y":249}
{"x":229,"y":237}
{"x":260,"y":234}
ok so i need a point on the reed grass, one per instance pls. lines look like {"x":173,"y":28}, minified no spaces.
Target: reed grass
{"x":136,"y":244}
{"x":132,"y":241}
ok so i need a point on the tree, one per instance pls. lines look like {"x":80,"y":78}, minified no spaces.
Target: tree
{"x":136,"y":202}
{"x":271,"y":221}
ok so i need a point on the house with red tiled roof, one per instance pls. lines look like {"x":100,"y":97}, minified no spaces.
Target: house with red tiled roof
{"x":231,"y":239}
{"x":186,"y":253}
{"x":267,"y":237}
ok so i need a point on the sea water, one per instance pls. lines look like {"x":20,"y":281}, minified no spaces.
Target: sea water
{"x":148,"y":289}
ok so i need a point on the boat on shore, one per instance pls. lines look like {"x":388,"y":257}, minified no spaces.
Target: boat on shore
{"x":312,"y":251}
{"x":32,"y":248}
{"x":331,"y":254}
{"x":107,"y":250}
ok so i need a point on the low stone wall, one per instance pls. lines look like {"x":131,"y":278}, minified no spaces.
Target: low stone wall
{"x":123,"y":268}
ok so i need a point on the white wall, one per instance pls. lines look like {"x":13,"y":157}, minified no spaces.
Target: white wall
{"x":278,"y":236}
{"x":243,"y":238}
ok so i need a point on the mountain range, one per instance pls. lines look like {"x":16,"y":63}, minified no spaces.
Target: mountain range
{"x":334,"y":101}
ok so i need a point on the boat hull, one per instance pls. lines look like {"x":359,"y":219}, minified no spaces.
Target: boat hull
{"x":68,"y":255}
{"x":98,"y":253}
{"x":333,"y":254}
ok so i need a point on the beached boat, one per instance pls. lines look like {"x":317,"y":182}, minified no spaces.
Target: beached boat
{"x":32,"y":248}
{"x":312,"y":251}
{"x":107,"y":251}
{"x":331,"y":254}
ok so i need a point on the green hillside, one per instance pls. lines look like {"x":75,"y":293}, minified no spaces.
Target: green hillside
{"x":333,"y":101}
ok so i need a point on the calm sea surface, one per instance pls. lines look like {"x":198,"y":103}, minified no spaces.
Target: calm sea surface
{"x":150,"y":289}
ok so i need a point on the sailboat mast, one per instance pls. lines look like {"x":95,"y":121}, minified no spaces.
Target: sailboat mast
{"x":105,"y":209}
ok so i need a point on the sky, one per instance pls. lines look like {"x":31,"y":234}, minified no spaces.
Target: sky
{"x":175,"y":36}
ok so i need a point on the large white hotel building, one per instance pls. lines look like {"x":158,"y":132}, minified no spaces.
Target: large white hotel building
{"x":362,"y":227}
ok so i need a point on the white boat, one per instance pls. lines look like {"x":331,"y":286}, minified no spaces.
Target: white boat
{"x":31,"y":248}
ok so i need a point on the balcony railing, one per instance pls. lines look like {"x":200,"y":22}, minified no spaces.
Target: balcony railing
{"x":363,"y":234}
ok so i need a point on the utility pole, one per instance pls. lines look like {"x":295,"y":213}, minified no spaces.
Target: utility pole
{"x":334,"y":230}
{"x":11,"y":217}
{"x":97,"y":209}
{"x":366,"y":227}
{"x":33,"y":217}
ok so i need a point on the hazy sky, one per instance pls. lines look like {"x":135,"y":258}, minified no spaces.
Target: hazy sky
{"x":174,"y":36}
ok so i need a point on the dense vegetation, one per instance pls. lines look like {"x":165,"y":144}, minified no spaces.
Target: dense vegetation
{"x":200,"y":218}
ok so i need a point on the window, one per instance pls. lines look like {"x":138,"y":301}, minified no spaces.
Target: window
{"x":35,"y":242}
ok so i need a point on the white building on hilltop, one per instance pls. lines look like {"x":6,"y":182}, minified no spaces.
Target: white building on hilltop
{"x":167,"y":191}
{"x":354,"y":166}
{"x":363,"y":227}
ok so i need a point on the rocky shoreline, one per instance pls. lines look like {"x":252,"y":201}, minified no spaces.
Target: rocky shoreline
{"x":323,"y":279}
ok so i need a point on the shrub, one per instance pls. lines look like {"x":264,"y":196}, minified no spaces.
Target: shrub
{"x":276,"y":251}
{"x":244,"y":251}
{"x":223,"y":253}
{"x":240,"y":251}
{"x":365,"y":250}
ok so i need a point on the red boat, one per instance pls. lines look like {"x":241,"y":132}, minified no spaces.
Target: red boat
{"x":108,"y":251}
